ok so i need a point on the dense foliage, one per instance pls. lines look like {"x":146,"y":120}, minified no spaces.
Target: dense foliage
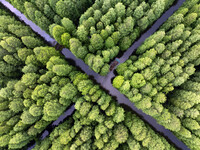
{"x":105,"y":29}
{"x":93,"y":126}
{"x":184,"y":102}
{"x":46,"y":12}
{"x":16,"y":42}
{"x":45,"y":85}
{"x":164,"y":61}
{"x":37,"y":84}
{"x":33,"y":84}
{"x":42,"y":94}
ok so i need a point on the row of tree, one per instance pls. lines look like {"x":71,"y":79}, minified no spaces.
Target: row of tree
{"x":105,"y":29}
{"x":46,"y":12}
{"x":164,"y":61}
{"x":16,"y":42}
{"x":34,"y":88}
{"x":184,"y":102}
{"x":102,"y":125}
{"x":43,"y":93}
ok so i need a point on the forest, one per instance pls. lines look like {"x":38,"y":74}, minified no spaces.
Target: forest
{"x":38,"y":84}
{"x":165,"y":61}
{"x":106,"y":28}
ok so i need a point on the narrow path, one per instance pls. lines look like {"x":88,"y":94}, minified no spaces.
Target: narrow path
{"x":105,"y":82}
{"x":54,"y":124}
{"x":60,"y":120}
{"x":150,"y":31}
